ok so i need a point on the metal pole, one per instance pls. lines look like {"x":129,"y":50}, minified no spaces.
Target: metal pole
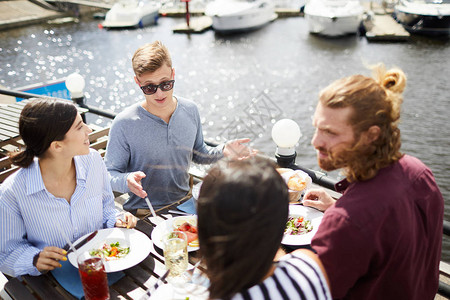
{"x":187,"y":13}
{"x":92,"y":109}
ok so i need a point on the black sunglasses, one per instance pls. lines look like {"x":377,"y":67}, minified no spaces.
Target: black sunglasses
{"x":152,"y":88}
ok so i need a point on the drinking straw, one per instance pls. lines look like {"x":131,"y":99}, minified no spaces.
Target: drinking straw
{"x":149,"y":291}
{"x":150,"y":206}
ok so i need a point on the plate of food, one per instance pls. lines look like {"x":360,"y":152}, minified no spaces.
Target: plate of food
{"x":302,"y":225}
{"x":187,"y":224}
{"x":119,"y":248}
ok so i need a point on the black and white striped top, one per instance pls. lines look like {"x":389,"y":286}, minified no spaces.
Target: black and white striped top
{"x":296,"y":276}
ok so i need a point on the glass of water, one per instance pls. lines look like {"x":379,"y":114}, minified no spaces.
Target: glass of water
{"x":176,"y":256}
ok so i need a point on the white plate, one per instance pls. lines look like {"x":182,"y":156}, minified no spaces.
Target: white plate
{"x":139,"y":243}
{"x":309,"y":213}
{"x":164,"y":227}
{"x":168,"y":292}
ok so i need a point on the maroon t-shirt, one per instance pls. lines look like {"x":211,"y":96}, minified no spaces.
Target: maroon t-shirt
{"x":382,"y":239}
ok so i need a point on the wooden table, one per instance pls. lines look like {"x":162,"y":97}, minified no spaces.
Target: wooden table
{"x":132,"y":286}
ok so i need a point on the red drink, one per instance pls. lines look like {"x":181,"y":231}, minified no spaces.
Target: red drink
{"x":93,"y":278}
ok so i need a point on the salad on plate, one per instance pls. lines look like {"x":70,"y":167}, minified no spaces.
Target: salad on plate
{"x":110,"y":251}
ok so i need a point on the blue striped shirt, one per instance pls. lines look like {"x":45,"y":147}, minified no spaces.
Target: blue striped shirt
{"x":297,"y":276}
{"x":29,"y":214}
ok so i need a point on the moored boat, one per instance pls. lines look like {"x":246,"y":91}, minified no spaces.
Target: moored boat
{"x":240,"y":15}
{"x":132,"y":13}
{"x":333,"y":17}
{"x":428,"y":17}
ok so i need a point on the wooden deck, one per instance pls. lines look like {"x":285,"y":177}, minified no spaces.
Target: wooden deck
{"x":385,"y":28}
{"x":380,"y":26}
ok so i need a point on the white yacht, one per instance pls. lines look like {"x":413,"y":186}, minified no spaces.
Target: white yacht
{"x":240,"y":15}
{"x":430,"y":17}
{"x":132,"y":13}
{"x":333,"y":17}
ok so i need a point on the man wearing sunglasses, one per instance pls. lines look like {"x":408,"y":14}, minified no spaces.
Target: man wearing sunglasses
{"x":152,"y":143}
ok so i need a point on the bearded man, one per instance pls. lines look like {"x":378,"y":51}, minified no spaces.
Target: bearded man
{"x":382,"y":238}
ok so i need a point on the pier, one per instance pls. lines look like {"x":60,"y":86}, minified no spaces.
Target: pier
{"x":381,"y":26}
{"x":18,"y":13}
{"x":385,"y":28}
{"x":196,"y":25}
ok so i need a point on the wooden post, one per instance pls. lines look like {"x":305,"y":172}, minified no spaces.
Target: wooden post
{"x":187,"y":11}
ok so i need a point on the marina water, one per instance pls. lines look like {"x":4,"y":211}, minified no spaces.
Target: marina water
{"x":244,"y":83}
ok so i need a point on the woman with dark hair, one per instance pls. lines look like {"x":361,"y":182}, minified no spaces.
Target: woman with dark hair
{"x":62,"y":190}
{"x":242,"y":214}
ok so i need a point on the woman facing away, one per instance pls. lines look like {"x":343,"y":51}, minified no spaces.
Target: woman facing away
{"x":62,"y":189}
{"x":242,"y":214}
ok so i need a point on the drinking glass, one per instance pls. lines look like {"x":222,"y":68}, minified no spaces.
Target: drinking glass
{"x":176,"y":256}
{"x":93,"y":277}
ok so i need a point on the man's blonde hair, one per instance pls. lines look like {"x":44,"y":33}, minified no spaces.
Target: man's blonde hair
{"x":150,"y":57}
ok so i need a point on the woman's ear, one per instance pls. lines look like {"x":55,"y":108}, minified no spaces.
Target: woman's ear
{"x":55,"y":146}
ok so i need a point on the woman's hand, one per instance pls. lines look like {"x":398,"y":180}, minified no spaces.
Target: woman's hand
{"x":127,"y":220}
{"x":318,"y":199}
{"x":49,"y":258}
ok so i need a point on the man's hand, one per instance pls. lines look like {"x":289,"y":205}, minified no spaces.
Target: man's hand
{"x":134,"y":184}
{"x":235,"y":149}
{"x":49,"y":259}
{"x":318,"y":199}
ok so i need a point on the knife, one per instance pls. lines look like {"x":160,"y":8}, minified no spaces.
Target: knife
{"x":81,"y":243}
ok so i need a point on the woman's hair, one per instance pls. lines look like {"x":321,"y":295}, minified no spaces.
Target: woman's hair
{"x":150,"y":57}
{"x":375,"y":101}
{"x":242,"y":212}
{"x":42,"y":121}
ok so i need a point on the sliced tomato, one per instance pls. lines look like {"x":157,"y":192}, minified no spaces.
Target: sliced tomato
{"x":191,"y":236}
{"x":185,"y":226}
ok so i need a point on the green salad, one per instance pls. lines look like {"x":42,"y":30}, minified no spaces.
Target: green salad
{"x":111,"y":251}
{"x":297,"y":225}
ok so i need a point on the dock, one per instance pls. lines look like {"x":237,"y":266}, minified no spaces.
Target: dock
{"x":94,"y":4}
{"x":196,"y":25}
{"x":385,"y":28}
{"x":22,"y":13}
{"x":381,"y":26}
{"x":17,"y":13}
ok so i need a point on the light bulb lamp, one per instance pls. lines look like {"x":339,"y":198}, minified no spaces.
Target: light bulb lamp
{"x":285,"y":134}
{"x":75,"y":84}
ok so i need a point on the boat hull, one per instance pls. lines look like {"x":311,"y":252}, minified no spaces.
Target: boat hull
{"x":231,"y":24}
{"x":333,"y":26}
{"x":333,"y":17}
{"x":423,"y":24}
{"x":131,"y":14}
{"x":250,"y":17}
